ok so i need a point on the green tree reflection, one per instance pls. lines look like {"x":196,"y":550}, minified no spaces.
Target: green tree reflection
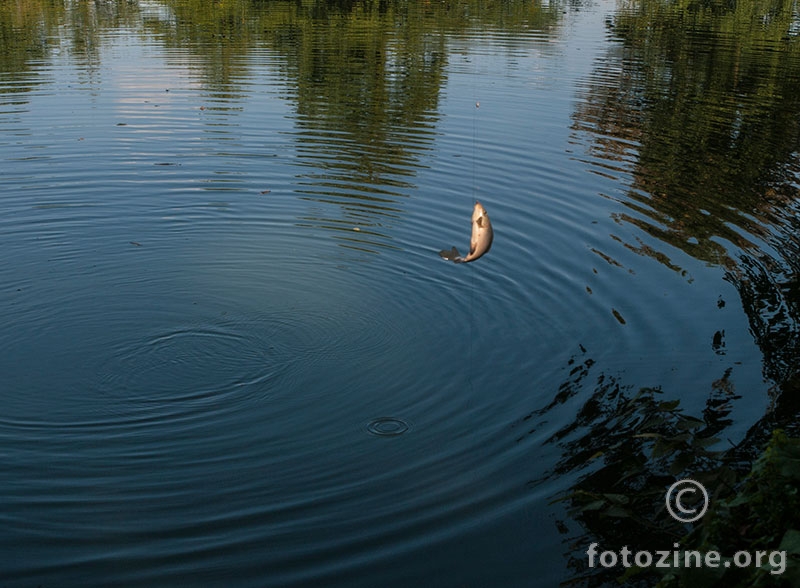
{"x":366,"y":82}
{"x":31,"y":30}
{"x":702,"y":97}
{"x":698,"y":103}
{"x":365,"y":78}
{"x":26,"y":31}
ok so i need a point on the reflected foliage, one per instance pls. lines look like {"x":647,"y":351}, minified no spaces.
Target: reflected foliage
{"x":627,"y":447}
{"x":26,"y":31}
{"x":366,"y":84}
{"x":764,"y":514}
{"x":697,"y":102}
{"x":703,"y":110}
{"x":706,"y":95}
{"x":633,"y":444}
{"x":364,"y":77}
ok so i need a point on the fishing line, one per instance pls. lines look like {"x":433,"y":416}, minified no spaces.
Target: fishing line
{"x":474,"y":200}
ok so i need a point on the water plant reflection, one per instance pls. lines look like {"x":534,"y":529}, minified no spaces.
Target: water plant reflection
{"x":364,"y":80}
{"x":704,"y":114}
{"x":697,"y":104}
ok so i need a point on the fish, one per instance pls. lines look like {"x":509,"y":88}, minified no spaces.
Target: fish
{"x":481,"y":241}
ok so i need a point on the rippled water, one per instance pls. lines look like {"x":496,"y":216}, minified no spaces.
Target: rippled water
{"x":229,"y":348}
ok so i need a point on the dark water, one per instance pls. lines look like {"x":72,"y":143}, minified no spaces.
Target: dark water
{"x":229,"y":350}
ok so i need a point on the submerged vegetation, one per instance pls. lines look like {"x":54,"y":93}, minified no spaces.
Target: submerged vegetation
{"x":763,"y":514}
{"x":648,"y":443}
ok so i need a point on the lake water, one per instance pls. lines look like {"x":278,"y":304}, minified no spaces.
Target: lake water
{"x":230,"y":353}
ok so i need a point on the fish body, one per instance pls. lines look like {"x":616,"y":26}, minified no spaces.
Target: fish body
{"x":481,"y":240}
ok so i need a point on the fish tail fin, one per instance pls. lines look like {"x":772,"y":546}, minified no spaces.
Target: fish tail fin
{"x":451,"y":255}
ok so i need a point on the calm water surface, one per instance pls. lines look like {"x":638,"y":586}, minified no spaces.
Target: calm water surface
{"x":219,"y":230}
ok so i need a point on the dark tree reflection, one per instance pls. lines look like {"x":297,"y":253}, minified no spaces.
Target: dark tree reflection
{"x":365,"y":80}
{"x":698,"y":102}
{"x":701,"y":103}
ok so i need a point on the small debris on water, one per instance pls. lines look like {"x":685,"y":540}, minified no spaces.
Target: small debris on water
{"x":135,"y":243}
{"x":266,"y":191}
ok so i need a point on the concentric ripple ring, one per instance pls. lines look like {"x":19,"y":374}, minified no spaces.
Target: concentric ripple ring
{"x":387,"y":426}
